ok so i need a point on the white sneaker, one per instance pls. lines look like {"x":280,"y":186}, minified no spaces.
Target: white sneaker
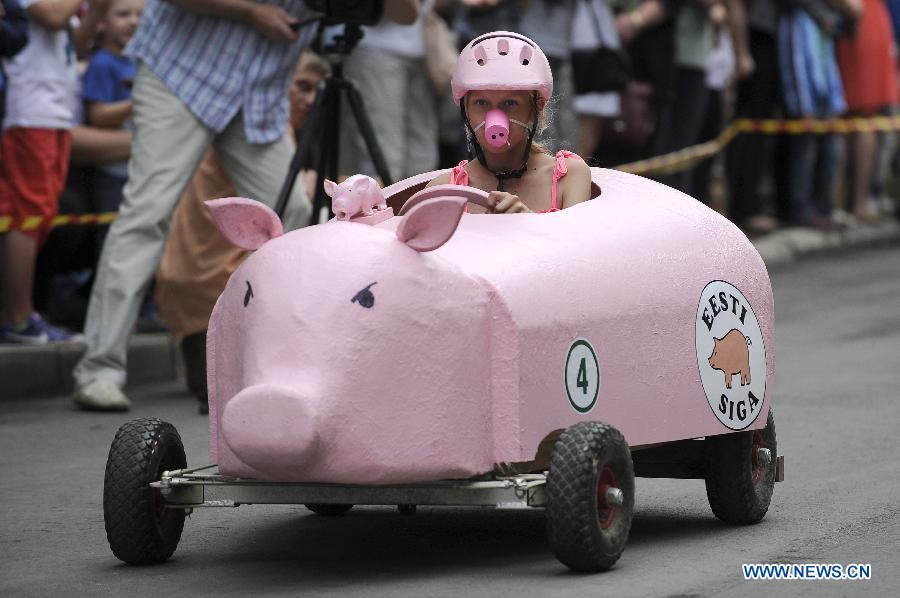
{"x":101,"y":395}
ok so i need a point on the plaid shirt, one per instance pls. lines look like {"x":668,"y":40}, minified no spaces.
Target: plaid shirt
{"x":218,"y":66}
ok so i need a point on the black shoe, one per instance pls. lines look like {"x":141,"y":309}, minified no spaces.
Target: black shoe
{"x":193,"y":352}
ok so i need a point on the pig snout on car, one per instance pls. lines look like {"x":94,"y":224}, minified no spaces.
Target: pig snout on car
{"x":731,"y":355}
{"x":270,"y":427}
{"x":357,"y":195}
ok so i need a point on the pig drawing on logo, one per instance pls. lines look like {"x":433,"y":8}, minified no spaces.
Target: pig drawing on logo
{"x":731,"y":355}
{"x":359,"y":194}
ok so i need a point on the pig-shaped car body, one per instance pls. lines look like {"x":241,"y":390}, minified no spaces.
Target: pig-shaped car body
{"x":355,"y":354}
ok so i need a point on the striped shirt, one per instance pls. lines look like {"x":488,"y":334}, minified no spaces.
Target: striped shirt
{"x":218,"y":66}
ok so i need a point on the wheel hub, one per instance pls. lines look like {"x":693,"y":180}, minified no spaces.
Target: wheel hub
{"x":609,"y":496}
{"x":759,"y":455}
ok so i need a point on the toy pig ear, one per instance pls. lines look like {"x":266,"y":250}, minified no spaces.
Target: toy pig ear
{"x":245,"y":222}
{"x":430,"y":224}
{"x":330,"y":187}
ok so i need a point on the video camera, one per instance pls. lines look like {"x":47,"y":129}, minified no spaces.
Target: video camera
{"x":348,"y":12}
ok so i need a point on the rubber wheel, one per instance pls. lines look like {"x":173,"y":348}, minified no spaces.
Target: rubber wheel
{"x":585,"y":532}
{"x":328,"y":510}
{"x":738,"y":486}
{"x":140,"y":527}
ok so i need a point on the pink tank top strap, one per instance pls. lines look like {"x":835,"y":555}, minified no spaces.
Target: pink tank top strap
{"x":559,"y":171}
{"x":459,"y":176}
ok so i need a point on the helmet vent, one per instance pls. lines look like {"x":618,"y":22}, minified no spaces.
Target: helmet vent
{"x":503,"y":46}
{"x":525,"y":55}
{"x":480,"y":55}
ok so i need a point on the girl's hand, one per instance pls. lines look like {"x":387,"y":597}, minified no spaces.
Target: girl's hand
{"x":506,"y":203}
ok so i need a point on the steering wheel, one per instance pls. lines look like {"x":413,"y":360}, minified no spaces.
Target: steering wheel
{"x":471,"y":194}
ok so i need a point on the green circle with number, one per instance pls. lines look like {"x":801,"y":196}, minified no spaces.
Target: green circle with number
{"x":582,"y":373}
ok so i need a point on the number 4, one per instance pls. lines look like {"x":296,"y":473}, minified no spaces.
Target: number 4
{"x":582,"y":380}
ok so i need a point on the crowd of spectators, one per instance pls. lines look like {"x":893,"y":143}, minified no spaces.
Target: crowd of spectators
{"x":691,"y":65}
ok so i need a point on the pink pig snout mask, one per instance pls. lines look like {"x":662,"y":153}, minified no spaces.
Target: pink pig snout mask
{"x":496,"y":127}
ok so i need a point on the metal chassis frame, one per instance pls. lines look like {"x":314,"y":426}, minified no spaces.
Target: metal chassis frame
{"x":187,"y":489}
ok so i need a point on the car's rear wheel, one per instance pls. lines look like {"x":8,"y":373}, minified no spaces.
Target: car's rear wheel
{"x":590,"y":496}
{"x":740,"y":473}
{"x":328,"y":509}
{"x":140,"y":527}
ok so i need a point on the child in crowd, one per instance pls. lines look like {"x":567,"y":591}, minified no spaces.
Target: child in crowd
{"x":502,"y":83}
{"x":41,"y":95}
{"x":107,"y":93}
{"x":198,"y":260}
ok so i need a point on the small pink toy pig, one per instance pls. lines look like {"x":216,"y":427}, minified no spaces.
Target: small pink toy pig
{"x":359,"y":194}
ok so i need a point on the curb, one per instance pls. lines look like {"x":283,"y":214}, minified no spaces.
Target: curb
{"x":44,"y":370}
{"x":788,"y":245}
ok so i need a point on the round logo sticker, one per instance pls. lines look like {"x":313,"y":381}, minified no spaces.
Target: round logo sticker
{"x":582,"y":375}
{"x":731,"y":355}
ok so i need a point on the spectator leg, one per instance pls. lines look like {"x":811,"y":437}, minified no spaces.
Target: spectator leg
{"x":168,"y":144}
{"x":825,"y":174}
{"x":421,"y":123}
{"x":863,"y":147}
{"x":18,"y":254}
{"x":257,"y":170}
{"x":757,"y":97}
{"x":802,"y":150}
{"x":381,"y":78}
{"x":687,"y":117}
{"x":712,"y":126}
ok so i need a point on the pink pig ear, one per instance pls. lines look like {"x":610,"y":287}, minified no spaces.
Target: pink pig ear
{"x":245,"y":222}
{"x":330,"y":187}
{"x":430,"y":224}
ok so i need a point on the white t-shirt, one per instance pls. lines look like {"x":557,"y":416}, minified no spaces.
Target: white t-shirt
{"x":405,"y":40}
{"x":42,"y":80}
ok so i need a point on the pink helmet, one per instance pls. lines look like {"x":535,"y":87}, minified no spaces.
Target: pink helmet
{"x":502,"y":60}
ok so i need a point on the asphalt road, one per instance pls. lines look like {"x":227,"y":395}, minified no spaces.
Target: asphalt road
{"x":836,"y":401}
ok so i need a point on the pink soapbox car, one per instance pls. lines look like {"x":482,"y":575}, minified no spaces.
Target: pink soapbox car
{"x":438,"y":357}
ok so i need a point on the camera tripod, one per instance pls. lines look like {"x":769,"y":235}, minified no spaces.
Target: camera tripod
{"x":324,"y":123}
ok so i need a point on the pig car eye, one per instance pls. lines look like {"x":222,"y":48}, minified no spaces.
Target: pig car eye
{"x":248,"y":295}
{"x":365,"y":297}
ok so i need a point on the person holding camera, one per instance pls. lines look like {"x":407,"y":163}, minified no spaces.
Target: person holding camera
{"x":211,"y":73}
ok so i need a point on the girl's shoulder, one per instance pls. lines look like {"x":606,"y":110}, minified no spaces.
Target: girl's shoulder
{"x":564,"y":162}
{"x":574,"y":176}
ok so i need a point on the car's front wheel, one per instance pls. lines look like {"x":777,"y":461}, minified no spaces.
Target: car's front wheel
{"x":141,"y":528}
{"x":590,"y":496}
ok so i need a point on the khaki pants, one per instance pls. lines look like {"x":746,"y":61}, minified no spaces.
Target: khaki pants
{"x":403,"y":111}
{"x":169,"y":142}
